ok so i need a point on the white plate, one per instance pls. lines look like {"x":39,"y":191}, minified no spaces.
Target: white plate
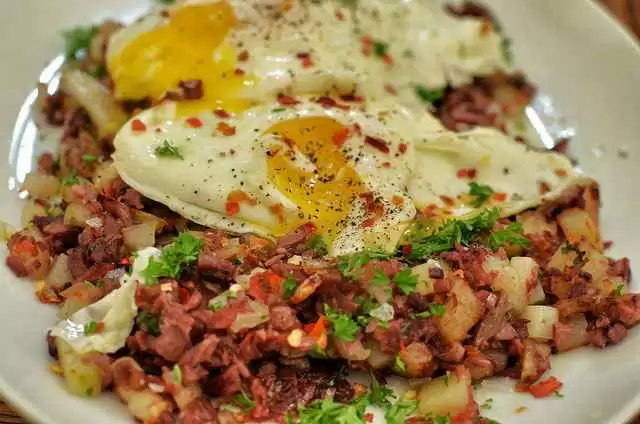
{"x":576,"y":53}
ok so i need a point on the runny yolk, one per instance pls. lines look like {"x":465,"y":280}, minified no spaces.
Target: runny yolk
{"x":325,"y":195}
{"x":189,"y":46}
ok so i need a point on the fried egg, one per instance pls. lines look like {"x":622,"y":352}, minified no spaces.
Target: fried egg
{"x":267,"y":170}
{"x":244,"y":52}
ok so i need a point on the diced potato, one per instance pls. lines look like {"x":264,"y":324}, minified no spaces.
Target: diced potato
{"x":30,"y":210}
{"x":597,"y":265}
{"x":145,"y":217}
{"x":463,"y":311}
{"x":533,"y":222}
{"x":537,"y":295}
{"x":82,"y":377}
{"x":378,"y":359}
{"x":541,"y":320}
{"x":96,"y":99}
{"x":145,"y":405}
{"x":59,"y":275}
{"x":565,"y":257}
{"x":512,"y":278}
{"x":535,"y":360}
{"x":591,"y":198}
{"x":139,"y":236}
{"x":445,"y":396}
{"x":41,"y":185}
{"x":31,"y":251}
{"x":184,"y":395}
{"x":76,"y":215}
{"x":579,"y":228}
{"x":425,"y":282}
{"x":104,"y":174}
{"x":417,"y":359}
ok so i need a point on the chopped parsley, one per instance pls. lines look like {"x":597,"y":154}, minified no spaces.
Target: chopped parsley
{"x":244,"y":401}
{"x":221,"y":300}
{"x":452,"y":232}
{"x":165,"y":2}
{"x":176,"y":373}
{"x":71,"y":179}
{"x":168,"y":150}
{"x":558,"y":394}
{"x":580,"y":255}
{"x":619,"y":289}
{"x":488,"y":404}
{"x":90,"y":328}
{"x":379,"y":394}
{"x":89,"y":158}
{"x":278,"y":109}
{"x":77,"y":41}
{"x":442,"y":420}
{"x":317,"y":243}
{"x":150,"y":322}
{"x":429,"y":96}
{"x":351,"y":265}
{"x":512,"y":234}
{"x":406,"y":281}
{"x":344,"y":327}
{"x":184,"y":250}
{"x":400,"y":411}
{"x":433,"y":310}
{"x":481,"y":194}
{"x":290,"y":285}
{"x":380,"y":278}
{"x":507,"y":54}
{"x":399,"y":365}
{"x":328,"y":411}
{"x":380,"y":48}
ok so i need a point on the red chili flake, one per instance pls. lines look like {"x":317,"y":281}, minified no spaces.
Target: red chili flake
{"x":231,"y":208}
{"x":386,"y":164}
{"x":306,"y":59}
{"x":367,"y":45}
{"x":561,"y":172}
{"x":397,"y":200}
{"x":288,"y":141}
{"x":221,"y":113}
{"x":125,"y":261}
{"x":402,"y":148}
{"x":357,"y":129}
{"x":377,"y":143}
{"x":387,"y":59}
{"x":390,"y":89}
{"x":99,"y":327}
{"x":278,"y":211}
{"x":469,"y":173}
{"x":428,"y":210}
{"x":326,"y":102}
{"x":194,"y":122}
{"x":407,"y":249}
{"x":339,"y":137}
{"x":340,"y":15}
{"x":608,"y":244}
{"x":158,"y":130}
{"x":243,"y":56}
{"x":352,"y":98}
{"x":486,"y":28}
{"x":226,"y":129}
{"x":447,"y":200}
{"x":368,"y":199}
{"x":544,"y":187}
{"x":309,"y":228}
{"x":500,"y":197}
{"x":239,"y":72}
{"x":238,"y":196}
{"x":285,"y":100}
{"x":138,"y":126}
{"x":368,"y":417}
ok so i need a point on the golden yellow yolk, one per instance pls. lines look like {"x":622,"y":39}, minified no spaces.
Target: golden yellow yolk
{"x":188,"y":47}
{"x":324,"y":196}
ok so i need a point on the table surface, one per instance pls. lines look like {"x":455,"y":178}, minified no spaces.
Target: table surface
{"x":627,"y":11}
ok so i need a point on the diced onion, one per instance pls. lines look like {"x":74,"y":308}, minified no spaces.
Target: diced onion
{"x":378,"y":359}
{"x":41,"y":185}
{"x":59,"y":275}
{"x":541,"y":321}
{"x":384,"y":312}
{"x":139,"y":236}
{"x":245,"y":320}
{"x":158,"y":223}
{"x":96,"y":99}
{"x":105,"y":173}
{"x":76,"y":215}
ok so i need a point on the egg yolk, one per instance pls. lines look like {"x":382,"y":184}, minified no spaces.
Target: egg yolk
{"x":189,"y":46}
{"x":324,"y":195}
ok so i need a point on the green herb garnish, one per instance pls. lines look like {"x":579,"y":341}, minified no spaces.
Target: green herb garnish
{"x":90,"y":328}
{"x":89,"y":158}
{"x":380,"y":48}
{"x":481,"y":194}
{"x":168,"y":150}
{"x":176,"y":372}
{"x":184,"y":251}
{"x":290,"y":285}
{"x":344,"y":327}
{"x":244,"y":401}
{"x":406,"y":281}
{"x":433,"y":310}
{"x":400,"y":411}
{"x":77,"y":41}
{"x":429,"y":96}
{"x":150,"y":322}
{"x":512,"y":234}
{"x":317,"y":243}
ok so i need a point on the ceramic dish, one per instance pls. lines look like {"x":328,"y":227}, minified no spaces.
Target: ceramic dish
{"x":572,"y":50}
